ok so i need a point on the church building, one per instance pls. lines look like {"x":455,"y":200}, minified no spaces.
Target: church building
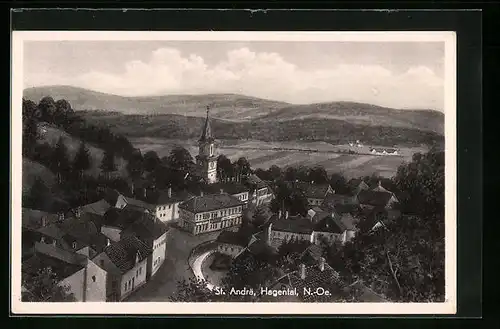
{"x":207,"y":158}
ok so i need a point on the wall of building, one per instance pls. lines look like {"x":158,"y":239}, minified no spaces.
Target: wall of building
{"x":159,"y":253}
{"x":137,"y":275}
{"x":242,"y":196}
{"x":314,"y":201}
{"x":282,"y":236}
{"x":96,"y":283}
{"x":121,"y":202}
{"x":111,"y":233}
{"x":75,"y":283}
{"x":167,"y":212}
{"x":320,"y":237}
{"x":210,"y":221}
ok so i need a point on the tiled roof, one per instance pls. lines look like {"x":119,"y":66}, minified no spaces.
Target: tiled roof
{"x":254,"y":180}
{"x":32,"y":218}
{"x":122,"y":218}
{"x":229,"y":187}
{"x":329,"y":224}
{"x":40,"y":261}
{"x":146,"y":229}
{"x":294,"y":224}
{"x":333,"y":199}
{"x":210,"y":202}
{"x":123,"y":253}
{"x":162,"y":197}
{"x":234,"y":238}
{"x":111,"y":196}
{"x":139,"y":203}
{"x":53,"y":231}
{"x":311,"y":255}
{"x":315,"y":191}
{"x":374,"y":198}
{"x":98,"y":208}
{"x":84,"y":230}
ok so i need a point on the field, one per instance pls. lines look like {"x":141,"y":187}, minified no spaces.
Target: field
{"x":284,"y":154}
{"x":31,"y":170}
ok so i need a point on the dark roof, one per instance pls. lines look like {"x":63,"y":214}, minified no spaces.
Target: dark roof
{"x":99,"y":207}
{"x":53,"y":231}
{"x":255,"y":182}
{"x":40,"y":261}
{"x":206,"y":134}
{"x":316,"y":191}
{"x":210,"y":202}
{"x":84,"y":230}
{"x":111,"y":196}
{"x":228,"y":187}
{"x":146,"y":229}
{"x":374,"y":198}
{"x":311,"y":255}
{"x":162,"y":197}
{"x":32,"y":218}
{"x":235,"y":238}
{"x":122,"y":218}
{"x":330,"y":224}
{"x":333,"y":199}
{"x":139,"y":203}
{"x":294,"y":224}
{"x":123,"y":253}
{"x":315,"y":278}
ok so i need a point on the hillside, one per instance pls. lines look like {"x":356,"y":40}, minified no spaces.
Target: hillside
{"x":224,"y":106}
{"x":31,"y":170}
{"x":51,"y":134}
{"x":331,"y":130}
{"x":239,"y":108}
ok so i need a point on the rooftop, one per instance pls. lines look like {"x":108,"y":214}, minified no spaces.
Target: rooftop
{"x":123,"y":253}
{"x":32,"y":218}
{"x":122,"y":218}
{"x":311,"y":190}
{"x":228,"y":187}
{"x":139,"y":203}
{"x":294,"y":224}
{"x":374,"y":198}
{"x":234,"y":238}
{"x":163,"y":197}
{"x":254,"y":181}
{"x":98,"y":208}
{"x":147,"y":228}
{"x":211,"y":202}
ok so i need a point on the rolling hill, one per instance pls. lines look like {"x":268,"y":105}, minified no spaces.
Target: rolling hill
{"x":241,"y":109}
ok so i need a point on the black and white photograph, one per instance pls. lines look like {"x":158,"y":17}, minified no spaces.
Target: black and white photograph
{"x":297,"y":171}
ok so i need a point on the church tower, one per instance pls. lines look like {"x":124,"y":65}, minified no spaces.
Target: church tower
{"x":206,"y":158}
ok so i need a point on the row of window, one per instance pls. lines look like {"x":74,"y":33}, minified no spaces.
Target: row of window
{"x":157,"y":261}
{"x":157,"y":245}
{"x":129,"y":284}
{"x":219,"y":213}
{"x":165,"y":207}
{"x":216,"y":226}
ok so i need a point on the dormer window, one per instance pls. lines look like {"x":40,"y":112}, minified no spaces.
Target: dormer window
{"x":42,"y":239}
{"x":74,"y":245}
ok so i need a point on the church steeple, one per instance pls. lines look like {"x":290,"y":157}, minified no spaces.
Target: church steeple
{"x":206,"y":134}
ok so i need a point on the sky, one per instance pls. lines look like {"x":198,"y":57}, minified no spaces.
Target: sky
{"x":394,"y":74}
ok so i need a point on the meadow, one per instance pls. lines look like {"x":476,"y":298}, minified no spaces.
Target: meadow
{"x":284,"y":154}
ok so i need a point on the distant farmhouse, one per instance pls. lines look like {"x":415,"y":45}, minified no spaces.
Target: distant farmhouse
{"x":383,"y":151}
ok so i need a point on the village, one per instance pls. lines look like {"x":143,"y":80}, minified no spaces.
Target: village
{"x":122,"y":248}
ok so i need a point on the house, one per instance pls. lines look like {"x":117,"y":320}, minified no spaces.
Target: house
{"x":86,"y":280}
{"x":166,"y":203}
{"x":315,"y":193}
{"x":234,"y":188}
{"x":317,"y":227}
{"x":33,"y":219}
{"x":208,"y":213}
{"x":116,"y":220}
{"x":232,"y":243}
{"x":98,"y":208}
{"x":383,"y":151}
{"x":307,"y":284}
{"x":260,"y":192}
{"x":153,"y":233}
{"x":206,"y":160}
{"x":114,"y":198}
{"x":378,"y":197}
{"x":125,"y":263}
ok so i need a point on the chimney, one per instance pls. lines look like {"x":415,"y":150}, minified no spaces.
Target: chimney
{"x":302,"y":271}
{"x":169,"y":192}
{"x":132,"y":188}
{"x":380,"y":183}
{"x":44,"y":221}
{"x":321,"y":264}
{"x":221,"y":191}
{"x":312,"y":182}
{"x":61,"y":216}
{"x":107,"y":242}
{"x":279,"y":214}
{"x":286,"y":214}
{"x":78,"y":212}
{"x":145,"y":193}
{"x":201,"y":193}
{"x":137,"y":257}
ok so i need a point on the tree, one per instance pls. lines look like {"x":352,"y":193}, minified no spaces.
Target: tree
{"x":60,"y":160}
{"x":242,"y":166}
{"x":135,"y":165}
{"x":108,"y":162}
{"x":289,"y":199}
{"x":180,"y":159}
{"x":62,"y":111}
{"x":151,"y":161}
{"x":339,"y":183}
{"x":44,"y":287}
{"x":47,"y":108}
{"x":82,"y":160}
{"x":30,"y":136}
{"x":318,"y":175}
{"x":193,"y":290}
{"x":224,"y":167}
{"x":38,"y":194}
{"x":275,"y":172}
{"x":30,"y":110}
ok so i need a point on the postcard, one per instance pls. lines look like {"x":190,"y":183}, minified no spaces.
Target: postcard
{"x":233,"y":172}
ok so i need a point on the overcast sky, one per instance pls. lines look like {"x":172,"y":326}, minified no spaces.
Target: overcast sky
{"x":394,"y":74}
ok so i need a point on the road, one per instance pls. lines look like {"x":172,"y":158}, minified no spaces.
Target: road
{"x":175,"y":268}
{"x":197,"y":264}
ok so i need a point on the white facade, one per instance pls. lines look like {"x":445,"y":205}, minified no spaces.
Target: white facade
{"x":159,"y":253}
{"x":167,"y":212}
{"x":133,"y":279}
{"x":197,"y":223}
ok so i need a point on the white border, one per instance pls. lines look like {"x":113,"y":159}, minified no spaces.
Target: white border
{"x":448,"y":307}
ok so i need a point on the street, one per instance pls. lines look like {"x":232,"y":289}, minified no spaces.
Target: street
{"x":175,"y":268}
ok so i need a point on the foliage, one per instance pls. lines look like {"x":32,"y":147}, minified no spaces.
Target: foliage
{"x":60,"y":163}
{"x":287,"y":199}
{"x":151,"y":161}
{"x":242,"y":166}
{"x":318,"y":175}
{"x":135,"y":165}
{"x":47,"y":108}
{"x":339,"y":184}
{"x":180,"y":159}
{"x":82,"y":160}
{"x":224,"y":167}
{"x":108,"y":161}
{"x":38,"y":194}
{"x":193,"y":290}
{"x":43,"y":287}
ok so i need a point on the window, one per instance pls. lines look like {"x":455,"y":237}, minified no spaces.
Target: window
{"x":136,"y":273}
{"x":42,"y":239}
{"x":74,"y":245}
{"x":93,"y":278}
{"x":140,"y":270}
{"x":126,"y":285}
